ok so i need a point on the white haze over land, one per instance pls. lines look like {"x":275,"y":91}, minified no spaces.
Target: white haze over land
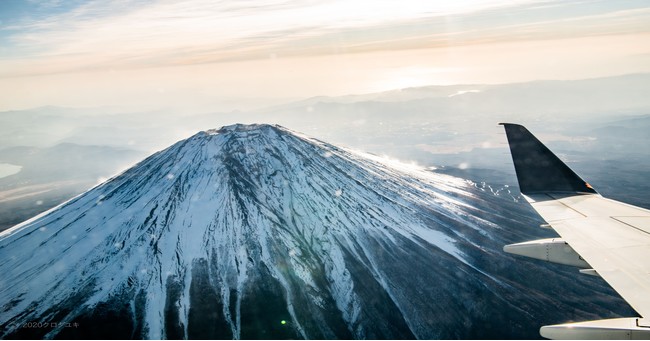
{"x":432,"y":126}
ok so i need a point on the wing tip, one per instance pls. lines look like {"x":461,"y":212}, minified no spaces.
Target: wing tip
{"x":538,"y":169}
{"x":510,"y":124}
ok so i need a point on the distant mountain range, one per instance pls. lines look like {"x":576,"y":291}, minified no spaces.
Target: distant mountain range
{"x":598,"y":125}
{"x":443,"y":110}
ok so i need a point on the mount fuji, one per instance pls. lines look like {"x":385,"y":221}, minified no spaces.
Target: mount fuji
{"x":255,"y":231}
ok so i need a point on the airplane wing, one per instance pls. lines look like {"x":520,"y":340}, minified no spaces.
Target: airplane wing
{"x":605,"y":237}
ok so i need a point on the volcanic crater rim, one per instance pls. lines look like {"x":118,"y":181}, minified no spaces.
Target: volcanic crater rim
{"x":242,"y":127}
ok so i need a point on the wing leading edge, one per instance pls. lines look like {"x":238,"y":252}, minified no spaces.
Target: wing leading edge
{"x":605,"y":237}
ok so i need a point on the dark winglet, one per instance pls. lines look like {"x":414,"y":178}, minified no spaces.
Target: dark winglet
{"x":538,"y":169}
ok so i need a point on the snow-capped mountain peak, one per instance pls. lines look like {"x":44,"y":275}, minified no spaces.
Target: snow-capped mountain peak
{"x":255,"y":231}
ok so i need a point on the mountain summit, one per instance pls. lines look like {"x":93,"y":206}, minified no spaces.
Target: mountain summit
{"x":254,"y":231}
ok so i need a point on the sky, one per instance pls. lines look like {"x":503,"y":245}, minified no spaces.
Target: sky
{"x":205,"y":55}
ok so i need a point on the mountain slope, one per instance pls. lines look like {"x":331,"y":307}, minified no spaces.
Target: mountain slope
{"x":259,"y":232}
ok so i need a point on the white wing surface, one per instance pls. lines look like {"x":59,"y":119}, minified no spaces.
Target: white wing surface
{"x":608,"y":238}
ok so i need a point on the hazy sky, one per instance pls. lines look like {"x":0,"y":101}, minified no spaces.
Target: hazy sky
{"x":216,"y":55}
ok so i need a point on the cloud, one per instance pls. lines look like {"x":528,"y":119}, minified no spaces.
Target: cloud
{"x":116,"y":51}
{"x":118,"y":33}
{"x":462,"y":92}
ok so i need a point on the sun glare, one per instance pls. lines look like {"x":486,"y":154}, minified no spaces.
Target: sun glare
{"x":410,"y":77}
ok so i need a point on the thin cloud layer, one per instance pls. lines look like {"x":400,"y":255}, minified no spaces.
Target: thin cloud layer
{"x":101,"y":35}
{"x":203,"y":53}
